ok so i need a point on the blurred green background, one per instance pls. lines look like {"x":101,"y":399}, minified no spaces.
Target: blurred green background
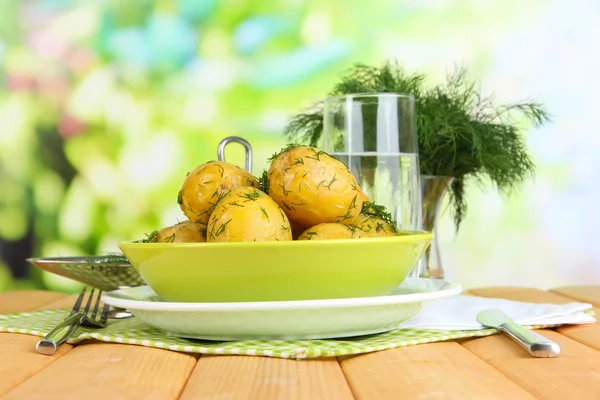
{"x":106,"y":105}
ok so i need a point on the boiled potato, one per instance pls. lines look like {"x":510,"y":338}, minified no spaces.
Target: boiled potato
{"x":331,"y":231}
{"x":371,"y":225}
{"x":206,"y":184}
{"x":312,"y":187}
{"x":247,"y":214}
{"x":185,"y":231}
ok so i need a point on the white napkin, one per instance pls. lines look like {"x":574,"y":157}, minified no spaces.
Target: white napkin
{"x":460,"y":313}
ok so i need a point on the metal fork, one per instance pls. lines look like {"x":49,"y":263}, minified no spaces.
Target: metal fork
{"x":59,"y":335}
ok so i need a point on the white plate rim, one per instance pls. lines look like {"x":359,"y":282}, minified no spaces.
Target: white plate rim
{"x":447,"y":289}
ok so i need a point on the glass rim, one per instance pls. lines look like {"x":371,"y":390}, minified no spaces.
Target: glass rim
{"x":340,"y":97}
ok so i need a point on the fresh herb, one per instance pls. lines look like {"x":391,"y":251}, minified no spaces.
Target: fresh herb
{"x":285,"y":149}
{"x":214,"y":233}
{"x":235,"y":203}
{"x":253,"y":195}
{"x":331,"y":182}
{"x":180,"y":197}
{"x":211,"y":208}
{"x":265,"y":213}
{"x":285,"y":191}
{"x":348,"y":214}
{"x":378,"y":211}
{"x":170,"y":239}
{"x":283,"y":216}
{"x":288,"y":207}
{"x":317,"y":154}
{"x":222,"y":170}
{"x":460,"y":133}
{"x":151,"y":238}
{"x":263,"y":181}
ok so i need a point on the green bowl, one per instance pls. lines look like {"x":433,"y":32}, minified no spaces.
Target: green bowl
{"x":277,"y":271}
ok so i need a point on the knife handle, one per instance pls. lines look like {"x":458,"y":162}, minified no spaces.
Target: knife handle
{"x":535,"y":344}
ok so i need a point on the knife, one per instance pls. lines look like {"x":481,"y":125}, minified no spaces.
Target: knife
{"x":535,"y":344}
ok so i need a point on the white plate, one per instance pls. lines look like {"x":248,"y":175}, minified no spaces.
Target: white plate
{"x":306,"y":319}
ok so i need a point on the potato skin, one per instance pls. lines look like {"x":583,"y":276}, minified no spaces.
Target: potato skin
{"x":331,"y":231}
{"x":206,"y":184}
{"x":247,"y":214}
{"x":313,"y":188}
{"x":372,"y":226}
{"x":185,"y":231}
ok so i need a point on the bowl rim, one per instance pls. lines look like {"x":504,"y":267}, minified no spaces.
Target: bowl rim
{"x":414,"y":235}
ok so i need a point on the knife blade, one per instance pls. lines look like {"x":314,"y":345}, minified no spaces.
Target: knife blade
{"x":536,"y":344}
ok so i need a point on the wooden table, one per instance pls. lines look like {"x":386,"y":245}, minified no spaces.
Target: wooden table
{"x":490,"y":367}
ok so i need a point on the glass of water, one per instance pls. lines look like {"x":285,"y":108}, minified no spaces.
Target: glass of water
{"x":375,"y":136}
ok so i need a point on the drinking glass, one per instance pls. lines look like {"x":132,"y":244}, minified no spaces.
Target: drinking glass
{"x":375,"y":136}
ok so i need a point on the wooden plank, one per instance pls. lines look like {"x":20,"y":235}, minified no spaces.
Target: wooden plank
{"x":584,"y":294}
{"x":26,"y":300}
{"x":263,"y":378}
{"x":19,"y":360}
{"x":575,"y":374}
{"x":588,"y":335}
{"x":431,"y":371}
{"x":109,"y":371}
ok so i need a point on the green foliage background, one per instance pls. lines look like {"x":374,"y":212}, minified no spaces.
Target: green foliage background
{"x":105,"y":105}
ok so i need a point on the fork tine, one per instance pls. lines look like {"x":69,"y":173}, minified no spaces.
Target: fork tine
{"x":95,"y":312}
{"x":77,"y":305}
{"x":104,"y":317}
{"x":89,"y":302}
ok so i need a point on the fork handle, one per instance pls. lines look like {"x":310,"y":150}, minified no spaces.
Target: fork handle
{"x":60,"y":334}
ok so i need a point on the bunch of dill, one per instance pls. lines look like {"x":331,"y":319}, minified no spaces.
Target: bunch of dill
{"x":460,"y":133}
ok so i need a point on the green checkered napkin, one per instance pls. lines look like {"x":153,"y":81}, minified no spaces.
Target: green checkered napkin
{"x":133,"y":331}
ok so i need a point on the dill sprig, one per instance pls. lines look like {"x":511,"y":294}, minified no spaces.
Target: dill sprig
{"x":263,"y":181}
{"x":283,"y":150}
{"x":150,"y":238}
{"x":317,"y":153}
{"x":378,"y":211}
{"x":252,"y":195}
{"x":461,"y":133}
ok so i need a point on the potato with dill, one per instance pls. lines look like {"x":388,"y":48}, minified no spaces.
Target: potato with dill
{"x":331,"y":231}
{"x":371,"y":225}
{"x":185,"y":231}
{"x":247,"y":214}
{"x":375,"y":220}
{"x":206,"y":184}
{"x":312,"y":187}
